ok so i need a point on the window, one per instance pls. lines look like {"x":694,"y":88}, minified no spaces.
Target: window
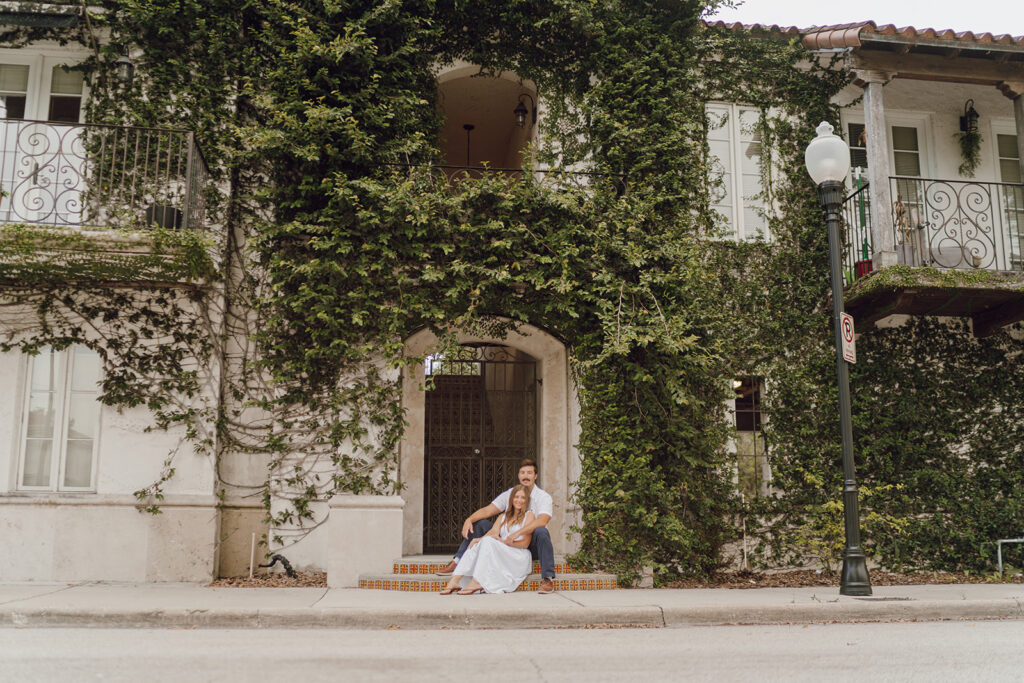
{"x":61,"y":421}
{"x":1012,"y":197}
{"x":751,"y":455}
{"x":39,"y":163}
{"x":735,"y":145}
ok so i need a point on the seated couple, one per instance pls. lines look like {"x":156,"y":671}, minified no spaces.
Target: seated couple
{"x":495,"y":558}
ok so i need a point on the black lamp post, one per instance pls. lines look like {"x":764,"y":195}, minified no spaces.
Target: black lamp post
{"x":828,"y":161}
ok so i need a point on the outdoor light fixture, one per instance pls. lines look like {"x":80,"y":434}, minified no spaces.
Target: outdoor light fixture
{"x":828,"y":161}
{"x":125,"y":69}
{"x":969,"y":121}
{"x":521,"y":111}
{"x":468,"y":127}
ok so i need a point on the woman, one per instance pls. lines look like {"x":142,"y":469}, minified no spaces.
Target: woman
{"x":499,"y":561}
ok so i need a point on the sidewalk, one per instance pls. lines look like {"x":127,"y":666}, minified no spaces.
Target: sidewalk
{"x":114,"y":605}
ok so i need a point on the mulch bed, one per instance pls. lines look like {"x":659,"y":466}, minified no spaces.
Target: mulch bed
{"x":801,"y":578}
{"x":282,"y":580}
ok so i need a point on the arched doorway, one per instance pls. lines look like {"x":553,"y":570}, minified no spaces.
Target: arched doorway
{"x":557,"y":428}
{"x":480,"y":422}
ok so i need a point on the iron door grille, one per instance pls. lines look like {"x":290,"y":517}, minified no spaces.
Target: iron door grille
{"x":481,"y":420}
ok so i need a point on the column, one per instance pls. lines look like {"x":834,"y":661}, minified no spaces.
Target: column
{"x":882,"y":238}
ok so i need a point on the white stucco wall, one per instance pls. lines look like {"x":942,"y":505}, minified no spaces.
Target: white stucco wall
{"x":939,"y":106}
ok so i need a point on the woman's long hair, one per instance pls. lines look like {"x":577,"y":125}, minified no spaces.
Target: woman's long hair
{"x":511,"y":516}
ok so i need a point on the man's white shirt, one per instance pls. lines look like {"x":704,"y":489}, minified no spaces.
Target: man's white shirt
{"x":540,"y":502}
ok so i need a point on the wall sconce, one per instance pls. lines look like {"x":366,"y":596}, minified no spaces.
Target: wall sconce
{"x":125,"y":70}
{"x":521,"y":111}
{"x":969,"y":121}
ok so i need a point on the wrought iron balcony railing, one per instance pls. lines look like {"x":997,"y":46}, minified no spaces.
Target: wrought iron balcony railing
{"x":954,"y":224}
{"x":958,"y":224}
{"x":86,"y":175}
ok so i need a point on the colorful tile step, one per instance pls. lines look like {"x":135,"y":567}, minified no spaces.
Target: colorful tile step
{"x":432,"y":563}
{"x":419,"y":574}
{"x":432,"y":584}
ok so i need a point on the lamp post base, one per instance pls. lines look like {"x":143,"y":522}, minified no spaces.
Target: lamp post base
{"x":855,"y":580}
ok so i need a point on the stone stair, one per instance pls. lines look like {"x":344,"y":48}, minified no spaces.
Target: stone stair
{"x":418,"y":573}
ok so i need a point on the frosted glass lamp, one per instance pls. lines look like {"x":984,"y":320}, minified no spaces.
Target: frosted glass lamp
{"x":827,"y":157}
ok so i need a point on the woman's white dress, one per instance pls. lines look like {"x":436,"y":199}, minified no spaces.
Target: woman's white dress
{"x":499,"y":568}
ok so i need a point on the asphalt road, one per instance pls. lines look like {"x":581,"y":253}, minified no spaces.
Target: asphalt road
{"x":935,"y":651}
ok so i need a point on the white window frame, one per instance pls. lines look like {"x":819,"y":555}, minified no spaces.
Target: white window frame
{"x":919,"y":120}
{"x":1000,"y":127}
{"x":63,"y":394}
{"x":738,"y":230}
{"x":40,"y":62}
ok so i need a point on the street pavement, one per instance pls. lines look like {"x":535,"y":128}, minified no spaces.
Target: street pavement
{"x":179,"y":605}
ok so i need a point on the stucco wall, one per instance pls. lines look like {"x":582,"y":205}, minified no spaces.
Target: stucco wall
{"x":84,"y":537}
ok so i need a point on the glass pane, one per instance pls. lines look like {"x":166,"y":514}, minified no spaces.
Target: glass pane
{"x":718,"y":118}
{"x":858,"y":158}
{"x":37,"y":462}
{"x":904,"y":138}
{"x":748,"y":124}
{"x":720,"y":156}
{"x":1009,"y":170}
{"x":1007,"y":145}
{"x":44,"y":371}
{"x":65,"y":109}
{"x":83,"y":412}
{"x":907,"y":163}
{"x":78,"y":465}
{"x":85,"y":370}
{"x":66,"y":82}
{"x":754,"y":223}
{"x":41,"y":413}
{"x":12,"y":106}
{"x":14,"y":78}
{"x":751,"y":158}
{"x":857,"y":136}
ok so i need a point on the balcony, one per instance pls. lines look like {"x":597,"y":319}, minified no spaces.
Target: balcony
{"x":962,"y":245}
{"x":96,"y":176}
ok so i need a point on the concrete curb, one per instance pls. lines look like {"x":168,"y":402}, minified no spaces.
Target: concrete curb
{"x":909,"y":610}
{"x":361,"y":618}
{"x":499,"y":618}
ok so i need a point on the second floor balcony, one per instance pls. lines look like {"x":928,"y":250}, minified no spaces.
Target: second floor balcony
{"x":946,"y":224}
{"x":952,"y":226}
{"x":97,"y":176}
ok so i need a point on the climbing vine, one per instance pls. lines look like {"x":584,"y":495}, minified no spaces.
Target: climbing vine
{"x":335,"y":238}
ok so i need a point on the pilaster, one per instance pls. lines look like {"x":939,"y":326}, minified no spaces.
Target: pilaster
{"x":878,"y":166}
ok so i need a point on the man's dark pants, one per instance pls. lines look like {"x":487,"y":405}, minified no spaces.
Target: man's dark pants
{"x":540,"y":546}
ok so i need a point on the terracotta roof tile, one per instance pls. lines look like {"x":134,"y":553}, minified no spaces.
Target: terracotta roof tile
{"x":853,"y":34}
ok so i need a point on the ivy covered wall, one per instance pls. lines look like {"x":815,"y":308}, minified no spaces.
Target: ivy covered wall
{"x":337,"y":240}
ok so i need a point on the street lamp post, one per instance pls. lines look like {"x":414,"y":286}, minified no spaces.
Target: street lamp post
{"x":828,"y":161}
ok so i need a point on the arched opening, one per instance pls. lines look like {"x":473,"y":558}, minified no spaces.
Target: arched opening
{"x":523,"y":361}
{"x":480,"y":422}
{"x":481,"y":123}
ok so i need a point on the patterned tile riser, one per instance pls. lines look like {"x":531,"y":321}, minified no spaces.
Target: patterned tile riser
{"x":411,"y":568}
{"x":428,"y":586}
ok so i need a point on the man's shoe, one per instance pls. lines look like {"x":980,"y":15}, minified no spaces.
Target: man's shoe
{"x":448,"y":570}
{"x":546,"y":586}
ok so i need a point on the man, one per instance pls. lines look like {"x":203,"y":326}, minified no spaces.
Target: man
{"x":479,"y":523}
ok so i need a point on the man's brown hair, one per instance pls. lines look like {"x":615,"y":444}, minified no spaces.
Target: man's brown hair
{"x":527,"y":462}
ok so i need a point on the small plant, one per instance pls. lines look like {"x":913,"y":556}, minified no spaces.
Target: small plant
{"x":970,"y":152}
{"x":822,"y":536}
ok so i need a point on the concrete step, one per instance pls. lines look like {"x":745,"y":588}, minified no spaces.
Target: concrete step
{"x":427,"y":583}
{"x":430,"y":564}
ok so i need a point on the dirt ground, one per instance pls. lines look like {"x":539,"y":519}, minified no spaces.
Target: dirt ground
{"x":802,"y":578}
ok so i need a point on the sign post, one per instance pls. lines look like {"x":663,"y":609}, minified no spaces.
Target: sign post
{"x":849,"y":348}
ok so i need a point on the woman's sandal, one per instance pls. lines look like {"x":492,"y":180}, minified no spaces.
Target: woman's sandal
{"x":447,"y":591}
{"x":470,"y":592}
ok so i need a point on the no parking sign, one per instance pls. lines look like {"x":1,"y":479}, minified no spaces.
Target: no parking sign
{"x":846,"y":325}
